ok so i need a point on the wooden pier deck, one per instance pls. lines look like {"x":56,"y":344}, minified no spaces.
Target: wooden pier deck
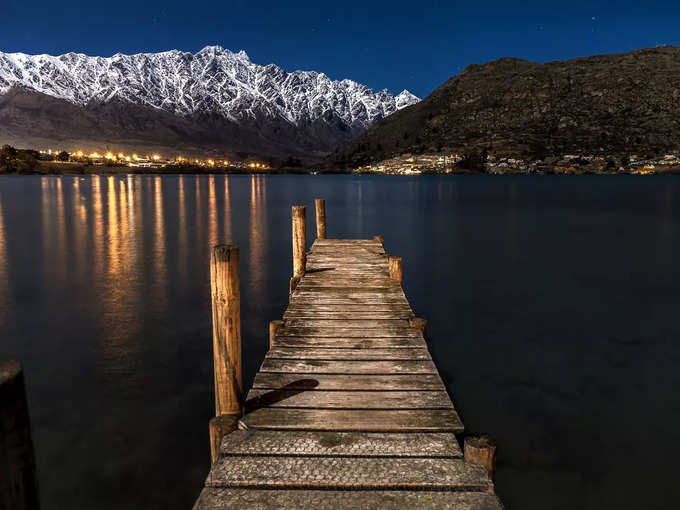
{"x":348,"y":409}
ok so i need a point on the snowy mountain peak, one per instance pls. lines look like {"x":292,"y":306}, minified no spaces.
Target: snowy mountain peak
{"x":212,"y":82}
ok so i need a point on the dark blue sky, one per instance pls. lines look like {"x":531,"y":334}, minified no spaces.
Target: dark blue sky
{"x":395,"y":45}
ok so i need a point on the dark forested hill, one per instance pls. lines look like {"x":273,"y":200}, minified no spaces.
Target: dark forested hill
{"x":607,"y":104}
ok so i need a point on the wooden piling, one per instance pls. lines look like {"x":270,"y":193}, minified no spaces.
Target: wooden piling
{"x":299,"y":240}
{"x":320,"y":204}
{"x":419,"y":324}
{"x":226,"y":316}
{"x":220,"y":426}
{"x":395,"y":268}
{"x":273,"y":327}
{"x":481,"y":450}
{"x":18,"y":481}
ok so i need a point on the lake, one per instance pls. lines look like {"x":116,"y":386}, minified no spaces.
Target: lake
{"x":552,"y":307}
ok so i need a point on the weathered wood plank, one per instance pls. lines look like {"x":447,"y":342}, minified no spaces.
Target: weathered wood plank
{"x":360,"y":420}
{"x":214,"y":498}
{"x":330,"y":353}
{"x":347,"y":473}
{"x":306,"y":283}
{"x":348,"y":399}
{"x":348,"y":367}
{"x":348,"y":308}
{"x":350,"y":343}
{"x":345,"y":444}
{"x":350,"y":332}
{"x":320,"y":382}
{"x":356,"y":315}
{"x":363,"y":324}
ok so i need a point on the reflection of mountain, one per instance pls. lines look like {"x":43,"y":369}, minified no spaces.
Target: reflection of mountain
{"x":211,"y":100}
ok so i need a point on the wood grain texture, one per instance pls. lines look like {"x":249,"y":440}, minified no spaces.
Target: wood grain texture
{"x":347,"y":367}
{"x":410,"y":420}
{"x":333,"y":353}
{"x":348,"y":399}
{"x":391,"y":382}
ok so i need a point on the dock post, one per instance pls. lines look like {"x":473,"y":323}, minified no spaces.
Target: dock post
{"x":273,"y":328}
{"x":18,"y":481}
{"x":299,"y":244}
{"x":419,"y":324}
{"x":226,"y":317}
{"x":395,"y":268}
{"x":481,"y":450}
{"x":320,"y":204}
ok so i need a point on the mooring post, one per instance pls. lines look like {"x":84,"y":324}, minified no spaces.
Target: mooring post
{"x":481,"y":450}
{"x":395,"y":268}
{"x":418,"y":323}
{"x":299,"y":244}
{"x":273,"y":328}
{"x":226,"y":317}
{"x":18,"y":481}
{"x":320,"y":204}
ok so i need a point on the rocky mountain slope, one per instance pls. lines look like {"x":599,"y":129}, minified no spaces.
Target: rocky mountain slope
{"x":607,"y":104}
{"x":214,"y":99}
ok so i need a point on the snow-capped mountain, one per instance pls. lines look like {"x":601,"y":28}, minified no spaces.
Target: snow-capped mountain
{"x":258,"y":108}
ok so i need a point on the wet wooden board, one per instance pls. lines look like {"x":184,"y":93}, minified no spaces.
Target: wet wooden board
{"x":347,"y":367}
{"x":392,"y":382}
{"x":359,"y":420}
{"x":333,"y":353}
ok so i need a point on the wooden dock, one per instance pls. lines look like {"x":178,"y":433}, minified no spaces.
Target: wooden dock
{"x":348,"y":409}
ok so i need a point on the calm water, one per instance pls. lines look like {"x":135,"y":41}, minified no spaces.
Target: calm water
{"x":552,"y":305}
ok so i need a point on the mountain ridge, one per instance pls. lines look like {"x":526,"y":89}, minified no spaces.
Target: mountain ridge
{"x":612,"y":104}
{"x":266,"y":103}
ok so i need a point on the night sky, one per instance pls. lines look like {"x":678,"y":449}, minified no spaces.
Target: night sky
{"x":394,"y":45}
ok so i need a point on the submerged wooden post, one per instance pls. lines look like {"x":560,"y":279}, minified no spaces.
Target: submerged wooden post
{"x":226,"y":318}
{"x":273,"y":328}
{"x":395,"y":268}
{"x":481,"y":450}
{"x":18,"y":481}
{"x":299,"y":244}
{"x":320,"y":204}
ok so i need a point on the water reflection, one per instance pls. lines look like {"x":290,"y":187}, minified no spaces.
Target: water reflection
{"x":4,"y":270}
{"x":227,"y":212}
{"x":258,"y":235}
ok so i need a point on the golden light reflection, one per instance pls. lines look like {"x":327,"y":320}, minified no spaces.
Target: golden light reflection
{"x":79,"y":222}
{"x":227,"y":212}
{"x":212,"y":212}
{"x":182,"y":229}
{"x":258,"y":235}
{"x":159,"y":232}
{"x":113,"y":234}
{"x":97,"y":223}
{"x":199,"y":211}
{"x":61,"y":225}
